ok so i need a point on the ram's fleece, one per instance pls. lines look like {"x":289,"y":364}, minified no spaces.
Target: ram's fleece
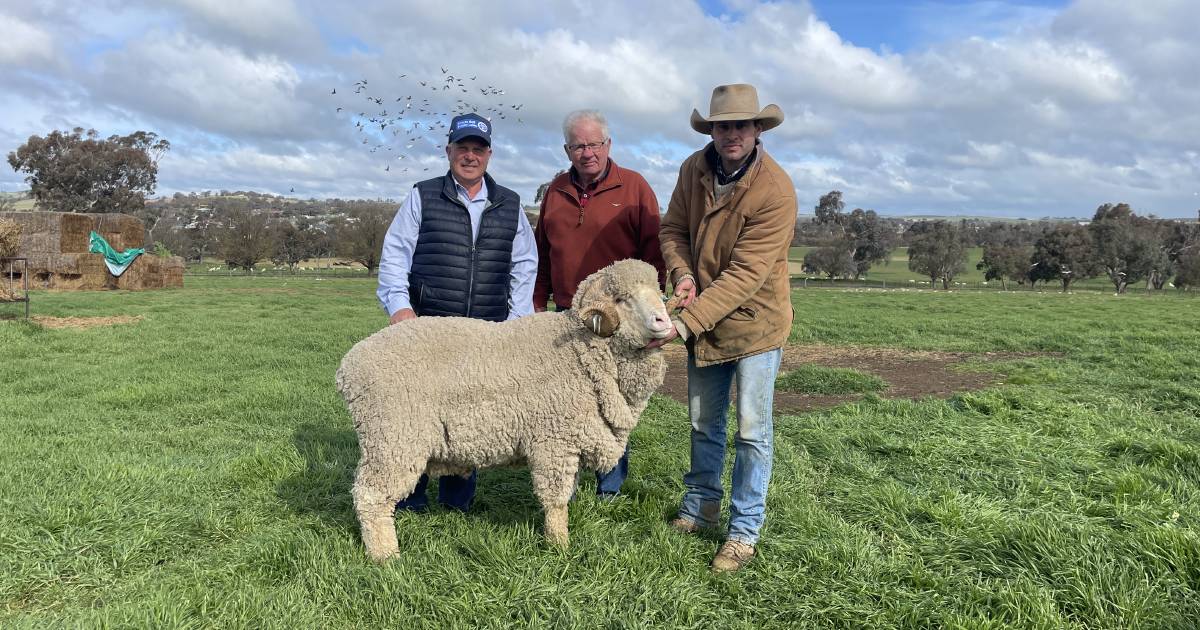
{"x":559,"y":390}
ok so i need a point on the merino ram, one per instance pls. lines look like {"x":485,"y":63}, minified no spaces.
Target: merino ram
{"x":443,"y":395}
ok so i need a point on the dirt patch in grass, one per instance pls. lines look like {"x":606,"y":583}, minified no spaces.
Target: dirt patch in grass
{"x":909,"y":374}
{"x":85,"y":322}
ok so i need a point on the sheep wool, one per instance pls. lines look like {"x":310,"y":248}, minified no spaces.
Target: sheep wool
{"x":443,"y":395}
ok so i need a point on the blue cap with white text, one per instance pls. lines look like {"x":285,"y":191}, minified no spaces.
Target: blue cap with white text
{"x":468,"y":125}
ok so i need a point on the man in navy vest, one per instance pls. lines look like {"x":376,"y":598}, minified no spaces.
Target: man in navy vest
{"x":460,"y":246}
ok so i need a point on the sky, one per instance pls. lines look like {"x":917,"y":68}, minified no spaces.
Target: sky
{"x":981,"y":108}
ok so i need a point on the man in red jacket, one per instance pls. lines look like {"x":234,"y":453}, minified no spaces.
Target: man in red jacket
{"x":592,"y":215}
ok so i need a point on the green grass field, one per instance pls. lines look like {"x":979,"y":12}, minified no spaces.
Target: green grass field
{"x":815,"y":379}
{"x":192,"y":470}
{"x":324,"y":267}
{"x":896,"y":274}
{"x":24,"y":205}
{"x":896,"y":269}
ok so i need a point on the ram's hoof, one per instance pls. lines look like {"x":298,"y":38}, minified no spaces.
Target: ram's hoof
{"x":556,"y":526}
{"x":382,"y":557}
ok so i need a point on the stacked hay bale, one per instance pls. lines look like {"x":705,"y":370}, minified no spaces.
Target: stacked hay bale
{"x":120,"y":230}
{"x":56,"y":246}
{"x":152,"y":272}
{"x":10,"y":240}
{"x":10,"y":237}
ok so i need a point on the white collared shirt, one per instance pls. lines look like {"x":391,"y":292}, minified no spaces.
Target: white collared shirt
{"x":401,"y":241}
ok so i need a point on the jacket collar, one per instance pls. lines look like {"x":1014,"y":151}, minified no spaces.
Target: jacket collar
{"x":714,"y":164}
{"x":450,"y":190}
{"x":707,"y":177}
{"x":610,"y":180}
{"x":598,"y":185}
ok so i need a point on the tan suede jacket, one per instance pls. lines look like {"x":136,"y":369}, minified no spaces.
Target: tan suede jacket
{"x":737,"y":251}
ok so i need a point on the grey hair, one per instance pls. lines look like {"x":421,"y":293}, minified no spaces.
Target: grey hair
{"x":581,"y":115}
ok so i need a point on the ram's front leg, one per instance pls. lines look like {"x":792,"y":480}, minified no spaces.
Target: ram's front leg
{"x":553,"y":483}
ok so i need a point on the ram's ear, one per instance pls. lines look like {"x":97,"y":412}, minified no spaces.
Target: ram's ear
{"x":601,"y":319}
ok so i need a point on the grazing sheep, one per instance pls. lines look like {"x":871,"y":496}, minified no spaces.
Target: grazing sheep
{"x":443,"y":395}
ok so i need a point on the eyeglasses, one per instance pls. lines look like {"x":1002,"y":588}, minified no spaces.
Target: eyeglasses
{"x":578,"y":148}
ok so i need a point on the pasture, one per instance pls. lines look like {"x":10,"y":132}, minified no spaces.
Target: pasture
{"x":895,"y":270}
{"x":895,"y":273}
{"x":189,"y":466}
{"x":24,"y":204}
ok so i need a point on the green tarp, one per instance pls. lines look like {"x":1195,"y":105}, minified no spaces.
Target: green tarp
{"x":117,"y":262}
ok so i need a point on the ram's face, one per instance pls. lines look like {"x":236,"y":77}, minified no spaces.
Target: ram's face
{"x":643,"y":313}
{"x":623,"y":300}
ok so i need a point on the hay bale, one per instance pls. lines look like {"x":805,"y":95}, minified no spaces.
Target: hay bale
{"x":152,"y":272}
{"x":56,"y":244}
{"x":36,"y":230}
{"x":10,"y":238}
{"x":120,"y":230}
{"x":173,"y":269}
{"x":144,"y":273}
{"x":51,"y":232}
{"x":92,"y":275}
{"x":53,"y":263}
{"x":85,"y":272}
{"x":74,"y":232}
{"x":67,"y":232}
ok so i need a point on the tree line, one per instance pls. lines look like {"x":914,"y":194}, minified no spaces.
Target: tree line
{"x":244,"y":230}
{"x":77,"y":171}
{"x":1117,"y":244}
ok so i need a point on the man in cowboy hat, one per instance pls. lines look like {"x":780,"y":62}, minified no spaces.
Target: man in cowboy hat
{"x":725,"y":242}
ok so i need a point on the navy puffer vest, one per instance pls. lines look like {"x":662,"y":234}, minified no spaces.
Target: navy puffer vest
{"x":450,"y":275}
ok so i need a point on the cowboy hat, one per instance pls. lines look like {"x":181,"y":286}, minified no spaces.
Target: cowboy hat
{"x":736,"y":102}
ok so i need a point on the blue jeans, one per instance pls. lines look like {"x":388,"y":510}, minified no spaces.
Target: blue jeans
{"x":708,"y":404}
{"x":454,"y":492}
{"x":610,"y":482}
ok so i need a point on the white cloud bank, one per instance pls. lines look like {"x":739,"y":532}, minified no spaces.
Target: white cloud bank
{"x":1020,"y":112}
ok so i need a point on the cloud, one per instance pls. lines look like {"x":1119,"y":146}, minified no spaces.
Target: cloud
{"x":217,"y":88}
{"x":997,"y":106}
{"x":271,"y":25}
{"x":24,"y":44}
{"x":815,"y":61}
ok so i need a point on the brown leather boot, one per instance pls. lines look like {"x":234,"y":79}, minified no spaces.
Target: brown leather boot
{"x":684,"y":525}
{"x":732,"y":556}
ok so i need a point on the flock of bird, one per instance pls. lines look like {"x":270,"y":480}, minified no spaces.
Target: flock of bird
{"x":419,"y":120}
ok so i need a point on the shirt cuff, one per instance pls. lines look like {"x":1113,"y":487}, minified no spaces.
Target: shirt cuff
{"x":397,"y":304}
{"x":680,"y":274}
{"x":681,"y":328}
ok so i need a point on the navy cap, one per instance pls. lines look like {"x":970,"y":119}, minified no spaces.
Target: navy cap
{"x":468,"y":125}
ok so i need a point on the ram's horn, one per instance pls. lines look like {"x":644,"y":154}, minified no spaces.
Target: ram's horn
{"x":601,"y":319}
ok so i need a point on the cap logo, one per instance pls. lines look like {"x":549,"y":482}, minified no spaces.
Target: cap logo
{"x":477,"y":124}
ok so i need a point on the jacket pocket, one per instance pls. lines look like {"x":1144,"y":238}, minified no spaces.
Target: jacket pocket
{"x":416,"y":293}
{"x":744,"y":313}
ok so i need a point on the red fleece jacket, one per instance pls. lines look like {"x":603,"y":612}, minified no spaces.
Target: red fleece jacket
{"x":620,"y":220}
